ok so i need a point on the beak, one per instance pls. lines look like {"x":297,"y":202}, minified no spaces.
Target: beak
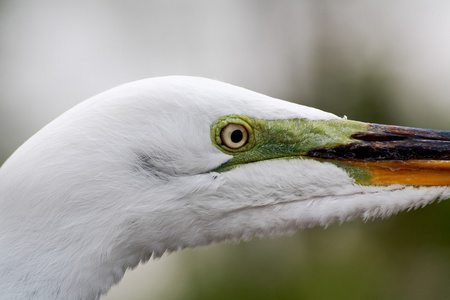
{"x":395,"y":155}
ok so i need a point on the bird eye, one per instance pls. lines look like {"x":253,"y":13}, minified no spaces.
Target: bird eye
{"x":234,"y":136}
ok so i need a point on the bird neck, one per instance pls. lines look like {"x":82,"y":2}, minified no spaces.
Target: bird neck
{"x":72,"y":251}
{"x":73,"y":271}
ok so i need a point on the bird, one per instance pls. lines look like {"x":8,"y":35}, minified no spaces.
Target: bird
{"x":166,"y":163}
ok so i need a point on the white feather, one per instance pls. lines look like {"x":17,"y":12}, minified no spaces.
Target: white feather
{"x":126,"y":175}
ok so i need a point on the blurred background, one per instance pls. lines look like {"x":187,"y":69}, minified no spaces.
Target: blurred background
{"x":376,"y":61}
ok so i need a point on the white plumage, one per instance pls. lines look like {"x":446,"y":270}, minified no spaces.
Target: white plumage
{"x":127,"y":174}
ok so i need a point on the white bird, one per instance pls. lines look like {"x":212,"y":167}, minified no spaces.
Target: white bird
{"x":162,"y":164}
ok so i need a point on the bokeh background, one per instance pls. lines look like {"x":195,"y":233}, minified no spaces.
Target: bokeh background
{"x":376,"y":61}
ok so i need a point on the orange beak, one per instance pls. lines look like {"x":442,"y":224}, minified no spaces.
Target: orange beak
{"x":396,"y":155}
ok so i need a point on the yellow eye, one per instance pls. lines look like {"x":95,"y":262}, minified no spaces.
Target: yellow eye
{"x":234,"y":136}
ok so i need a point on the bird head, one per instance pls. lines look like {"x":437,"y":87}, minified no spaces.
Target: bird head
{"x":166,"y":163}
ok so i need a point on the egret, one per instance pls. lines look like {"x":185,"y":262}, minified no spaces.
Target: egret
{"x":167,"y":163}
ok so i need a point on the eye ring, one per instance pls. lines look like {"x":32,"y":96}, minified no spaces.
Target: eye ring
{"x":234,"y":136}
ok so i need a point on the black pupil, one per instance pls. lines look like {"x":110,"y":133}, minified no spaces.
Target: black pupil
{"x":236,"y":136}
